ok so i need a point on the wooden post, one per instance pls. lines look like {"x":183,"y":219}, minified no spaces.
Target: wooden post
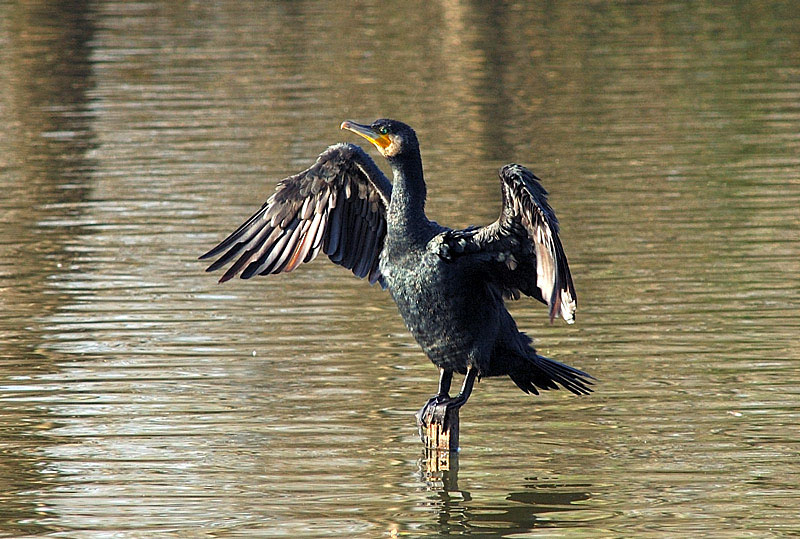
{"x":439,"y":436}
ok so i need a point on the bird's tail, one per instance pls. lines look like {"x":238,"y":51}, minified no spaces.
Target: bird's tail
{"x":540,"y":372}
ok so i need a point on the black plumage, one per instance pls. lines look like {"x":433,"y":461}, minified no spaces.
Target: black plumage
{"x":334,"y":206}
{"x":449,"y":285}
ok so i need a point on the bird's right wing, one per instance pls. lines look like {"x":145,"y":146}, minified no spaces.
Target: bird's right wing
{"x":338,"y":205}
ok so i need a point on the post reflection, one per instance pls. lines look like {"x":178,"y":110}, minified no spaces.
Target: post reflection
{"x":535,"y":503}
{"x":439,"y":469}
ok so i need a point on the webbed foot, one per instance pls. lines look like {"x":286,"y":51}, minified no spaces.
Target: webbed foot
{"x":432,"y":408}
{"x":438,"y":420}
{"x":438,"y":415}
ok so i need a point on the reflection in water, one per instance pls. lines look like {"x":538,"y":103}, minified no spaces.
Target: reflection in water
{"x":44,"y":81}
{"x":139,"y":398}
{"x":439,"y":469}
{"x":536,"y":505}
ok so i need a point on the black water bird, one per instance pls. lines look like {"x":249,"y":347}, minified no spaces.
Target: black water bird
{"x":449,"y":285}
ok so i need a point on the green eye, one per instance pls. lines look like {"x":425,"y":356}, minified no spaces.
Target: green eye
{"x":383,"y":130}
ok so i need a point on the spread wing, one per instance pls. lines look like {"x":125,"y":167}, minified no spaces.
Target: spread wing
{"x":338,"y":206}
{"x":521,"y":250}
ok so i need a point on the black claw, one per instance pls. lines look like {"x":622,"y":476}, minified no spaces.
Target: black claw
{"x":426,"y":412}
{"x":437,"y":399}
{"x":437,"y":408}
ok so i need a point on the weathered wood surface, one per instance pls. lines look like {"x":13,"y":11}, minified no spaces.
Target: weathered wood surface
{"x":439,"y":435}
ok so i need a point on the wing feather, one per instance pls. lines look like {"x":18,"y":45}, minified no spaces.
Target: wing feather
{"x":525,"y":203}
{"x":521,"y":250}
{"x":337,"y":206}
{"x":306,"y":242}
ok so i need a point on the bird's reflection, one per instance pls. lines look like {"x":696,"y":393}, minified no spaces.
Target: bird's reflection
{"x":492,"y":515}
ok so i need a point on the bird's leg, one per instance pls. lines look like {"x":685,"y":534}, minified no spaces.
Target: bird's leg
{"x":443,"y":395}
{"x":445,"y":379}
{"x":440,"y":410}
{"x":438,"y":420}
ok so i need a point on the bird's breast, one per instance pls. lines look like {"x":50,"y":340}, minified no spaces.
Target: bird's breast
{"x":441,"y":306}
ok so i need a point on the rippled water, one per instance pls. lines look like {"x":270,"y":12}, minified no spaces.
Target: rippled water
{"x":138,"y":397}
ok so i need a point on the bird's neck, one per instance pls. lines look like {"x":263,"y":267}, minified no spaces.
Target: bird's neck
{"x":406,"y":216}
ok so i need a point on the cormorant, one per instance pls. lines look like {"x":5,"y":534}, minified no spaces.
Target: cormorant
{"x":449,"y":285}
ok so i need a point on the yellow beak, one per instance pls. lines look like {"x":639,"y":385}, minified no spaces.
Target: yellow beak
{"x":381,"y":141}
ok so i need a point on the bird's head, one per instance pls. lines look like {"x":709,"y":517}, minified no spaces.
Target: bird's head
{"x":392,"y":138}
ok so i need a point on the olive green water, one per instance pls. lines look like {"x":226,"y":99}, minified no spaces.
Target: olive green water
{"x":138,"y":398}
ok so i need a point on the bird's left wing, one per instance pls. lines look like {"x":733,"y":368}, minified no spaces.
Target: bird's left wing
{"x":521,"y":251}
{"x":338,"y":205}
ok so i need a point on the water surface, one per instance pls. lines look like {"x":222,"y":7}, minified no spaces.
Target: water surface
{"x":139,"y":397}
